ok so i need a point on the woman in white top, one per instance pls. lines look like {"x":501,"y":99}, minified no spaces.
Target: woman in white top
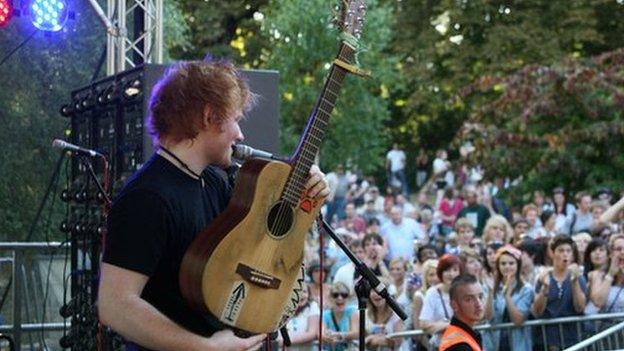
{"x":436,"y":312}
{"x":429,"y":279}
{"x":398,"y":271}
{"x":380,"y":321}
{"x":303,"y":327}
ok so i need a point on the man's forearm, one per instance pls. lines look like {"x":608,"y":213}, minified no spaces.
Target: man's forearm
{"x":139,"y":322}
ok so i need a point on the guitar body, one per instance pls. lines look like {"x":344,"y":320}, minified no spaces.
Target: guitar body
{"x":246,"y":268}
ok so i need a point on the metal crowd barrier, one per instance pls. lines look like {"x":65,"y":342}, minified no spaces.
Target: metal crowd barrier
{"x":614,"y":339}
{"x":599,"y":338}
{"x":18,"y":290}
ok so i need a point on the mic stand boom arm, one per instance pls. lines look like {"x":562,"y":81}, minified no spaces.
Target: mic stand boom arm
{"x":368,"y":277}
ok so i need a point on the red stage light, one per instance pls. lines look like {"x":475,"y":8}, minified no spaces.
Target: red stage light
{"x":6,"y":11}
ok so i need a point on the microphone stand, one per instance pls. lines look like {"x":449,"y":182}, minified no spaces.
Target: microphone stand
{"x":105,"y":197}
{"x":367,"y":281}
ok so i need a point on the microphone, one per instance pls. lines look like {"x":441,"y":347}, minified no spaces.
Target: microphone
{"x":62,"y":144}
{"x":243,"y":152}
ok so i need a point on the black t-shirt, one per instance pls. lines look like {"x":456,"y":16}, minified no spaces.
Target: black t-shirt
{"x":152,"y":223}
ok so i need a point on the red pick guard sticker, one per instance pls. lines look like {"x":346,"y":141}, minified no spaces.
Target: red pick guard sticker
{"x":306,"y":206}
{"x":307,"y":203}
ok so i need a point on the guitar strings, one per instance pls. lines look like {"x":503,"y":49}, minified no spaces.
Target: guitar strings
{"x":282,"y":214}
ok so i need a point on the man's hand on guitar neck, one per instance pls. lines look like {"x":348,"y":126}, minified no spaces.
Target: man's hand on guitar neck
{"x":317,"y":185}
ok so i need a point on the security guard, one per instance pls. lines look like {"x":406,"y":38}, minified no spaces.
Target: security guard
{"x":467,"y":303}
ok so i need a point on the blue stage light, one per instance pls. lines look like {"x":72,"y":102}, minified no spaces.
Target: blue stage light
{"x":49,"y":15}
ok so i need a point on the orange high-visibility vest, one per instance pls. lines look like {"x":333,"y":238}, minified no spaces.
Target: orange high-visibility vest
{"x":454,"y":335}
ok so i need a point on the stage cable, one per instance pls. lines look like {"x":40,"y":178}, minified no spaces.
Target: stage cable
{"x":54,"y":192}
{"x":99,"y":65}
{"x":57,"y":168}
{"x":18,"y":47}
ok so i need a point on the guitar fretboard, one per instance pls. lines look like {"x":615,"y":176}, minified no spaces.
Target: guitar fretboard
{"x":310,"y":142}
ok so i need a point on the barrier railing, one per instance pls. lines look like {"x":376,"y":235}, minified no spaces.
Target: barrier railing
{"x":582,"y":323}
{"x":18,"y":290}
{"x":599,"y":338}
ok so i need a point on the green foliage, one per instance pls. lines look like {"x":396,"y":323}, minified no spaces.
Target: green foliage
{"x":211,"y":26}
{"x":449,"y":44}
{"x":511,"y":75}
{"x":552,"y":125}
{"x":303,"y":41}
{"x":36,"y":81}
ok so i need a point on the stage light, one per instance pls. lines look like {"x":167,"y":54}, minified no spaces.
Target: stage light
{"x":6,"y":12}
{"x":49,"y":15}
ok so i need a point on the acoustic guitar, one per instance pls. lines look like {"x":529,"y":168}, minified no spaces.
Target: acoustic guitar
{"x":245,"y":270}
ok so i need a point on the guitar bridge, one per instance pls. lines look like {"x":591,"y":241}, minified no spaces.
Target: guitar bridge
{"x":257,"y":277}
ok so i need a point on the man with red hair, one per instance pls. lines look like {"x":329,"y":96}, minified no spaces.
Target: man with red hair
{"x":194,"y":118}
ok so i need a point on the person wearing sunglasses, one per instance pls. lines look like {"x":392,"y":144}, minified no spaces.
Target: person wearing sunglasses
{"x":340,"y":320}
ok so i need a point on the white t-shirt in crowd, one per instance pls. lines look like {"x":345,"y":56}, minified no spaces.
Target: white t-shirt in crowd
{"x":400,"y":238}
{"x":397,"y":160}
{"x":299,"y":324}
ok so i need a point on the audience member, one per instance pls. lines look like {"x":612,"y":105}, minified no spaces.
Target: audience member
{"x":560,"y":292}
{"x":436,"y":312}
{"x":400,"y":235}
{"x":607,"y":295}
{"x":303,"y":327}
{"x":340,"y":320}
{"x":429,"y":279}
{"x":582,"y":219}
{"x":509,"y":301}
{"x":497,"y":229}
{"x":475,"y":212}
{"x":380,"y":321}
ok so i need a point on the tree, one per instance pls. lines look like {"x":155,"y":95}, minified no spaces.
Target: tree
{"x":37,"y":80}
{"x":447,"y":45}
{"x":303,"y":40}
{"x":212,"y":26}
{"x":552,"y":125}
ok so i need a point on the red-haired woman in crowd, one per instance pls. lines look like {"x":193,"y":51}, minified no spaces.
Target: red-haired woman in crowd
{"x":436,"y":312}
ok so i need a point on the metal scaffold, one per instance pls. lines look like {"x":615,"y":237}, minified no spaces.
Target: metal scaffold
{"x":134,"y":32}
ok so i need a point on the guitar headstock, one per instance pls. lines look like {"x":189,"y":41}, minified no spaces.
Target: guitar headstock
{"x":352,"y":17}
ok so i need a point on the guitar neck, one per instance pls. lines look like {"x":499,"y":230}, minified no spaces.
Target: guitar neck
{"x":309,"y":145}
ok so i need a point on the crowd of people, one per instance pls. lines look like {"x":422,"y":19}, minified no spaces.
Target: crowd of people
{"x":550,"y":258}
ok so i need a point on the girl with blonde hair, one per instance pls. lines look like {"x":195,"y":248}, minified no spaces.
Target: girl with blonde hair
{"x":497,"y":228}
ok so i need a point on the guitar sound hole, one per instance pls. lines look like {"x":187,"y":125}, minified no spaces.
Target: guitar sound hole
{"x":280,"y":219}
